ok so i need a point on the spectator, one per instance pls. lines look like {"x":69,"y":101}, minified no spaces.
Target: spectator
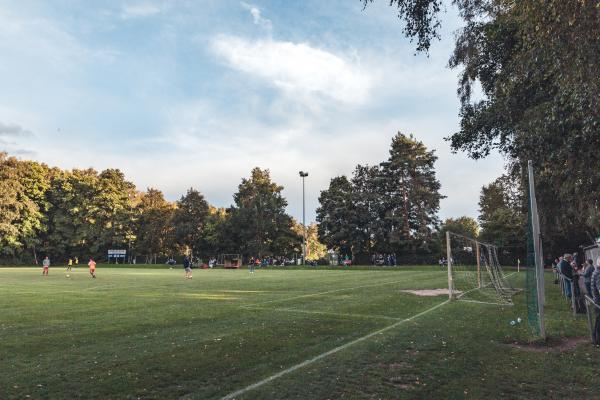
{"x":566,"y":270}
{"x":596,"y":282}
{"x":587,"y":276}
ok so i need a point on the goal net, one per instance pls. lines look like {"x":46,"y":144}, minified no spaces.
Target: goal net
{"x":475,"y":273}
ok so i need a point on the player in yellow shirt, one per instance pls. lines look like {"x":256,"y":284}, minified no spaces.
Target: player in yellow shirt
{"x":69,"y":265}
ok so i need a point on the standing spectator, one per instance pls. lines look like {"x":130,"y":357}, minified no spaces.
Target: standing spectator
{"x":575,"y":258}
{"x":565,"y":268}
{"x":45,"y":266}
{"x":596,"y":282}
{"x":587,"y":276}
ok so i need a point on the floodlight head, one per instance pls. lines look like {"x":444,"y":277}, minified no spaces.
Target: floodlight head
{"x":303,"y":174}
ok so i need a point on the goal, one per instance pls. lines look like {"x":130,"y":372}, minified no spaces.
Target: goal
{"x":229,"y":260}
{"x":474,"y":272}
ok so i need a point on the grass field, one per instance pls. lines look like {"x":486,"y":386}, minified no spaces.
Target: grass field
{"x":319,"y":334}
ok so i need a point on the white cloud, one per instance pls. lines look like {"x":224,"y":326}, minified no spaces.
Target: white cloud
{"x":257,"y":16}
{"x":306,"y":73}
{"x":140,"y":10}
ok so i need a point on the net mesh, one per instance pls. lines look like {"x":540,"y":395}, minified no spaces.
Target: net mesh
{"x":476,"y":274}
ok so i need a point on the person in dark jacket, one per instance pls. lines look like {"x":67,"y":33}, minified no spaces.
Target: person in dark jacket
{"x":188,"y":268}
{"x":587,"y":276}
{"x":596,"y":282}
{"x":565,"y":268}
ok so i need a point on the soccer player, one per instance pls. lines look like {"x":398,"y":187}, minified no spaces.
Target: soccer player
{"x":254,"y":264}
{"x":69,"y":265}
{"x":76,"y":261}
{"x":187,"y":267}
{"x":92,"y":265}
{"x":46,"y":266}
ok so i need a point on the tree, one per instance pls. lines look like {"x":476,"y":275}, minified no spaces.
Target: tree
{"x":420,"y":19}
{"x":465,"y":226}
{"x":502,"y":219}
{"x":260,"y":217}
{"x":115,"y":210}
{"x":411,"y":198}
{"x":315,"y":250}
{"x":388,"y":208}
{"x":20,"y":217}
{"x":154,"y":228}
{"x":336,"y":215}
{"x":189,"y":221}
{"x":73,"y":215}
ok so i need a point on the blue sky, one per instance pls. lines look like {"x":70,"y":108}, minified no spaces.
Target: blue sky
{"x":181,"y":94}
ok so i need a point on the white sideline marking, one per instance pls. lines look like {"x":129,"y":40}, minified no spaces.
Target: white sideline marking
{"x":328,"y":292}
{"x":233,"y":395}
{"x":486,"y":302}
{"x":326,"y":313}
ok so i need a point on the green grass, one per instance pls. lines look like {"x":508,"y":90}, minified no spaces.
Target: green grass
{"x":149,"y":333}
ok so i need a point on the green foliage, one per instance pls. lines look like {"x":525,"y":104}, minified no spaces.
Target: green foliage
{"x":502,"y":219}
{"x":336,"y":215}
{"x":537,"y":63}
{"x":315,"y":250}
{"x":420,"y":18}
{"x":190,"y":220}
{"x":388,"y":208}
{"x":263,"y":227}
{"x":21,"y":205}
{"x":88,"y":213}
{"x":465,"y":226}
{"x":155,"y":236}
{"x":83,"y":213}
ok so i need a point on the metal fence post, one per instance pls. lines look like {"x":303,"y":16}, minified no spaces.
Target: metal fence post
{"x":588,"y":308}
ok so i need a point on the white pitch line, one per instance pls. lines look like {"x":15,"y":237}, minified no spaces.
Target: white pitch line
{"x":303,"y":364}
{"x":295,"y":310}
{"x":486,"y":302}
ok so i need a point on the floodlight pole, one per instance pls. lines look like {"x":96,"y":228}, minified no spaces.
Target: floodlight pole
{"x":303,"y":175}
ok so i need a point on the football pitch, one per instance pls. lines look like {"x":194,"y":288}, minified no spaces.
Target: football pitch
{"x":276,"y":334}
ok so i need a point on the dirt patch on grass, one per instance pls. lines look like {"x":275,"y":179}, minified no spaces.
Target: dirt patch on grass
{"x":551,"y":345}
{"x":396,"y":365}
{"x":429,"y":292}
{"x":400,"y":377}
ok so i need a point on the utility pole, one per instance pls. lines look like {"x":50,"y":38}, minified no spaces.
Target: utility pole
{"x":303,"y":175}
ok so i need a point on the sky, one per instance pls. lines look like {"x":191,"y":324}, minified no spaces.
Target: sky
{"x":183,"y":93}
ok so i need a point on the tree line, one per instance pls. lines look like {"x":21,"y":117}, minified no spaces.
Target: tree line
{"x":83,"y":213}
{"x":388,"y":208}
